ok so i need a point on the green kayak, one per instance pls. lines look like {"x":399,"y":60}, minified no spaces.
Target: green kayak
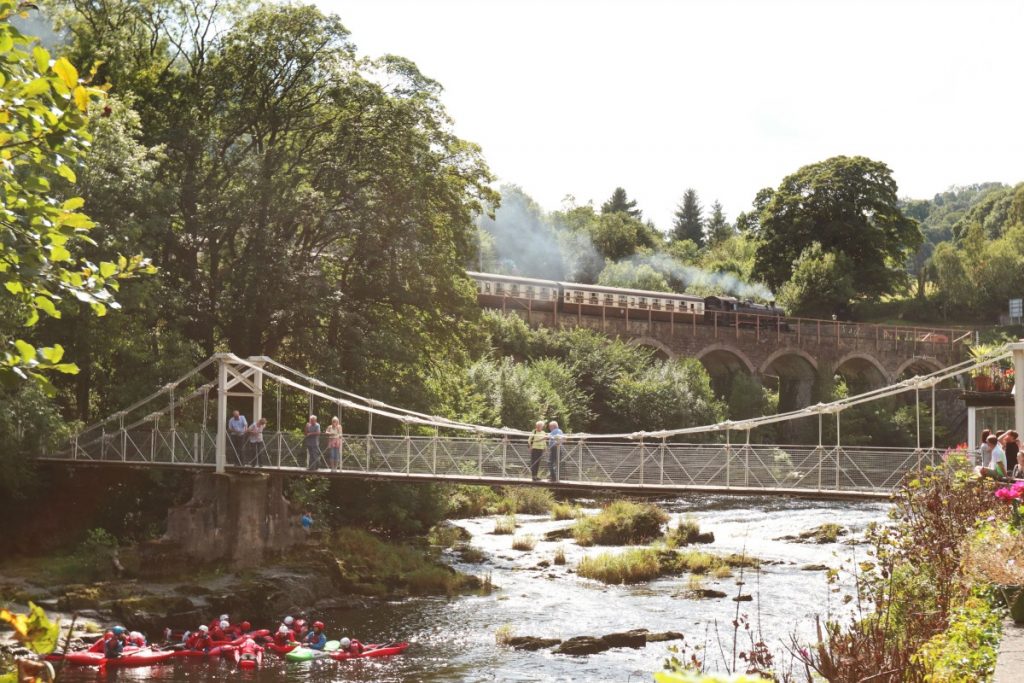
{"x":304,"y":654}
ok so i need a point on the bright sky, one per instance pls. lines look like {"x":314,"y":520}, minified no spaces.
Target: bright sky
{"x":580,"y":96}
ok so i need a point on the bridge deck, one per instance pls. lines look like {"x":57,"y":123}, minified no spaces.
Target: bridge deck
{"x":849,"y":472}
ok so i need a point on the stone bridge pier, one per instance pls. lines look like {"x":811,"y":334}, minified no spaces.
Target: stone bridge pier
{"x":790,"y":356}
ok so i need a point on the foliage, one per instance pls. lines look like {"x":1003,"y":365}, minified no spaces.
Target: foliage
{"x":619,"y":202}
{"x":622,"y":522}
{"x":467,"y":500}
{"x":684,"y":533}
{"x":670,"y":394}
{"x":525,"y":543}
{"x":822,"y":283}
{"x":505,"y":525}
{"x":849,"y":206}
{"x":966,"y":651}
{"x":33,"y":630}
{"x":395,"y":510}
{"x":29,"y":425}
{"x":688,"y":222}
{"x":631,"y":275}
{"x":526,"y":500}
{"x":632,"y":565}
{"x":370,"y":562}
{"x":717,"y":228}
{"x":564,"y":511}
{"x":95,"y":553}
{"x":42,"y":143}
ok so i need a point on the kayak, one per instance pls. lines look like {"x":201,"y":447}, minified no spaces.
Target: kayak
{"x":248,"y":662}
{"x":136,"y":657}
{"x":281,"y":649}
{"x":371,"y":651}
{"x":213,"y":652}
{"x":304,"y":654}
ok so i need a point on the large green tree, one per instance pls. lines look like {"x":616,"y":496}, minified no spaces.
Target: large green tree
{"x":718,"y":228}
{"x":620,"y":202}
{"x":849,"y":206}
{"x":689,"y":225}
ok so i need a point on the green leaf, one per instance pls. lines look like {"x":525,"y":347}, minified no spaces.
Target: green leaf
{"x":25,"y":350}
{"x":42,"y":58}
{"x":99,"y":309}
{"x":66,"y":368}
{"x":53,"y":354}
{"x":14,"y":287}
{"x":64,"y":171}
{"x":46,"y":306}
{"x":36,"y":87}
{"x":107,"y":269}
{"x":6,"y":41}
{"x":59,"y":253}
{"x":67,"y":72}
{"x":73,"y":203}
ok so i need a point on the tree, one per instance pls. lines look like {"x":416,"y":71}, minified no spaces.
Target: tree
{"x":848,"y":205}
{"x":41,"y":144}
{"x":688,"y":224}
{"x":620,"y":203}
{"x":717,"y":228}
{"x":953,"y":288}
{"x":618,"y":235}
{"x":822,"y":284}
{"x":633,"y":276}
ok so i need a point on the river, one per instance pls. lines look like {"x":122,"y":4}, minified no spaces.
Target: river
{"x":454,"y":639}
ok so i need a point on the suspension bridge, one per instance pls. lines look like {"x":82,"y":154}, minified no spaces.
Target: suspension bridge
{"x":185,"y":425}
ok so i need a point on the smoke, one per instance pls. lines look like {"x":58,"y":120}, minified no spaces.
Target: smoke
{"x":696,"y":280}
{"x":523,"y":240}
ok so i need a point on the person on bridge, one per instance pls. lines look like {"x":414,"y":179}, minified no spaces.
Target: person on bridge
{"x":316,"y":638}
{"x":312,"y":432}
{"x":237,"y":427}
{"x":256,"y":446}
{"x":538,"y":443}
{"x":555,"y":438}
{"x":334,"y":434}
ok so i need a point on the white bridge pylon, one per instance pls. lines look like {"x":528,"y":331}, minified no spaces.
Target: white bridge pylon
{"x":172,"y":427}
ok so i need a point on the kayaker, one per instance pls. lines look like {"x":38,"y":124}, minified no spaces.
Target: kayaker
{"x":136,"y":638}
{"x":284,"y":636}
{"x":244,"y":627}
{"x":301,"y":629}
{"x":216,"y":622}
{"x":114,"y":644}
{"x":352,"y":646}
{"x":316,"y":639}
{"x":221,"y":631}
{"x":249,"y":648}
{"x":201,"y":639}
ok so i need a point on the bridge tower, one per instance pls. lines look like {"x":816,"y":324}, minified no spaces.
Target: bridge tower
{"x":234,"y":380}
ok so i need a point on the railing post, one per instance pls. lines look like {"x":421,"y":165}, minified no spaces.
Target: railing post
{"x":124,"y":438}
{"x":174,"y":437}
{"x":103,"y":442}
{"x":642,"y":460}
{"x":280,"y":439}
{"x":839,"y":450}
{"x":408,"y":451}
{"x":728,"y":460}
{"x":480,"y":455}
{"x":746,"y":460}
{"x":369,"y":439}
{"x":661,"y":466}
{"x":821,"y":451}
{"x":433,"y":449}
{"x":152,"y":443}
{"x":504,"y":454}
{"x":579,"y":460}
{"x":221,"y":451}
{"x":1018,"y":396}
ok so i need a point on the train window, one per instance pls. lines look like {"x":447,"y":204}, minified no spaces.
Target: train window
{"x":499,"y":288}
{"x":487,"y":287}
{"x":656,"y":305}
{"x":578,"y":296}
{"x":609,"y":300}
{"x":568,"y":295}
{"x":515,"y":290}
{"x":529,"y":292}
{"x":593,"y":298}
{"x":543,"y":292}
{"x":622,"y":301}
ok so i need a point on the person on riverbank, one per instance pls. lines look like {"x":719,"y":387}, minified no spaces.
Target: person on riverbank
{"x":306,"y":520}
{"x":316,"y":638}
{"x":334,"y":436}
{"x":1010,"y":442}
{"x":537,"y":442}
{"x":997,"y":467}
{"x":257,"y":449}
{"x":985,"y":451}
{"x":237,"y":426}
{"x":312,"y":440}
{"x":555,"y":438}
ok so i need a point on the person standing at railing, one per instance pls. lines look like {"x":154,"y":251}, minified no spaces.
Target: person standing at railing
{"x":1010,"y":442}
{"x":538,"y":443}
{"x":555,"y":438}
{"x":237,"y":426}
{"x":334,"y":435}
{"x":256,"y":446}
{"x":312,"y":443}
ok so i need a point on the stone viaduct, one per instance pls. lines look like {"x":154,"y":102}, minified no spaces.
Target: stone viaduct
{"x":787,"y":354}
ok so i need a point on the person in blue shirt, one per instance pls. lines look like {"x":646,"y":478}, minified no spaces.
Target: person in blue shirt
{"x":315,"y":639}
{"x":307,"y":521}
{"x":237,"y":427}
{"x":555,"y":438}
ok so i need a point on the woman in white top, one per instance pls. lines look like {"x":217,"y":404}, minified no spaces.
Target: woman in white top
{"x":334,"y":444}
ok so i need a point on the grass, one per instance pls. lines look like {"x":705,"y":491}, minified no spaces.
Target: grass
{"x":503,"y":634}
{"x":470,"y":554}
{"x":633,"y":565}
{"x":381,"y":567}
{"x":526,"y":500}
{"x":827,"y":533}
{"x":621,"y":523}
{"x":526,"y":543}
{"x":684,"y":534}
{"x":722,"y":572}
{"x":446,"y":535}
{"x":559,"y":557}
{"x":563,"y":511}
{"x":695,"y":583}
{"x":505,"y":525}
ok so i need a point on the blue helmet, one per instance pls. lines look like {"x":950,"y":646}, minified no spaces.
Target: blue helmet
{"x":118,"y":630}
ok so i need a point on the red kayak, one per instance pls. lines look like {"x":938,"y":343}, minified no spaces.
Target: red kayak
{"x":371,"y":651}
{"x":249,"y":661}
{"x":129,"y":657}
{"x":213,"y":652}
{"x":281,"y":649}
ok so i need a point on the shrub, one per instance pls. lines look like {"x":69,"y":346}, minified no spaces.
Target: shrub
{"x":684,"y":534}
{"x":465,"y":500}
{"x":503,"y":634}
{"x":634,"y":565}
{"x":623,"y":522}
{"x":446,"y":535}
{"x":563,"y":511}
{"x":505,"y":525}
{"x":470,"y":554}
{"x":527,"y":500}
{"x":722,"y":572}
{"x":967,"y":648}
{"x":525,"y":543}
{"x":95,"y":554}
{"x":559,"y":557}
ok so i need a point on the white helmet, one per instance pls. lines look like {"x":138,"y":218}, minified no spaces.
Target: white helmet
{"x":204,"y":628}
{"x":223,"y":617}
{"x":184,"y":636}
{"x":282,"y":629}
{"x":345,"y":642}
{"x":224,"y":624}
{"x":289,"y":621}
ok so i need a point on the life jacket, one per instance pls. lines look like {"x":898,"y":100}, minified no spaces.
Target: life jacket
{"x":218,"y":634}
{"x":202,"y":642}
{"x":284,"y":638}
{"x":112,"y":648}
{"x":355,"y":647}
{"x":249,"y":647}
{"x":316,"y":640}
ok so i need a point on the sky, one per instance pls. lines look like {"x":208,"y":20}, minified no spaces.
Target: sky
{"x":574,"y":97}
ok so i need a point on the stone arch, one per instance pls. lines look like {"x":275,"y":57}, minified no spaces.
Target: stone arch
{"x":863,"y":371}
{"x":918,"y":365}
{"x":780,"y":354}
{"x":661,"y":350}
{"x":723,"y":363}
{"x":792,"y":372}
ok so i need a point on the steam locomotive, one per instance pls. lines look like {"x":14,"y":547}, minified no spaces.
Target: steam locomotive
{"x":570,"y":297}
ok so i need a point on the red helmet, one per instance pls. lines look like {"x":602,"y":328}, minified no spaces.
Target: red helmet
{"x":246,"y":626}
{"x":318,"y":625}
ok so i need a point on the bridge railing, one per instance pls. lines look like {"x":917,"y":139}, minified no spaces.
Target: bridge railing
{"x":619,"y":463}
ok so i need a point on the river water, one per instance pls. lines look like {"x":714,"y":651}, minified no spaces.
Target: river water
{"x":454,"y":639}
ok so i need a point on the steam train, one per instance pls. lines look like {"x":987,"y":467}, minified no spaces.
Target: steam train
{"x":569,"y":297}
